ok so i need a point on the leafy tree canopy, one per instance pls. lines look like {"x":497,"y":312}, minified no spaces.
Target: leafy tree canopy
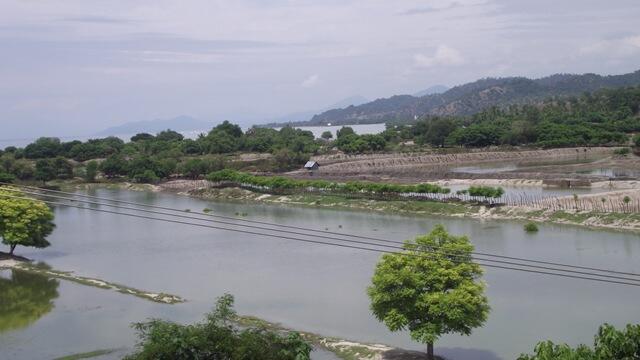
{"x":430,"y":289}
{"x":24,"y":222}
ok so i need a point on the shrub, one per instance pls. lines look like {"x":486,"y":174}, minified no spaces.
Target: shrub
{"x":148,"y":176}
{"x":91,"y":171}
{"x":622,"y":151}
{"x":609,"y":343}
{"x":6,"y":177}
{"x":530,"y":227}
{"x":282,"y":183}
{"x":486,"y":191}
{"x":216,"y":338}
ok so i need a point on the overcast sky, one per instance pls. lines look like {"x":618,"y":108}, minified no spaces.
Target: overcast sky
{"x":74,"y":67}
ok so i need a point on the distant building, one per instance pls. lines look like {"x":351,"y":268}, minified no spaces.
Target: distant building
{"x":311,"y":165}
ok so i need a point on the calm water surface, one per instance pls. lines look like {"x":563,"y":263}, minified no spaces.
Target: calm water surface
{"x":306,"y":287}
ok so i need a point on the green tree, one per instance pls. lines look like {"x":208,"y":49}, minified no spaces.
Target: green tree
{"x":142,"y":136}
{"x":626,"y":200}
{"x":146,"y":176}
{"x":23,"y":170}
{"x":91,"y":171}
{"x":431,"y":288}
{"x":438,"y":130}
{"x":227,"y":129}
{"x":24,"y":222}
{"x":45,"y":170}
{"x":327,"y":135}
{"x":345,"y":131}
{"x":64,"y":169}
{"x":169,"y":135}
{"x":194,"y":168}
{"x":44,"y":147}
{"x":114,"y":165}
{"x":216,"y":338}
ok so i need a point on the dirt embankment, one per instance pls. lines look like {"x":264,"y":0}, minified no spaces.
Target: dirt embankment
{"x":575,"y":163}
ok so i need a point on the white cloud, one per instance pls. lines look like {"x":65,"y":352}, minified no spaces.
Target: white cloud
{"x":175,"y":57}
{"x":621,"y":47}
{"x":633,"y":40}
{"x":311,"y":81}
{"x":444,"y":55}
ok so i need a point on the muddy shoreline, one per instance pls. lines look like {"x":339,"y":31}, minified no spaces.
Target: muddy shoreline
{"x":592,"y":219}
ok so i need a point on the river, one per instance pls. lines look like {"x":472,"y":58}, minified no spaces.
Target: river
{"x":302,"y":286}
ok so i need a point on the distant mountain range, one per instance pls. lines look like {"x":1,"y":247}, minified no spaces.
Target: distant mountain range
{"x":303,"y":116}
{"x":180,"y":123}
{"x":470,"y":98}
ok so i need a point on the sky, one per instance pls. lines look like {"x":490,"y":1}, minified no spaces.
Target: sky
{"x":75,"y":67}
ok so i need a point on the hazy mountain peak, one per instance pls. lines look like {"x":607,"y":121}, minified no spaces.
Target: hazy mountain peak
{"x":351,"y":100}
{"x":435,"y":89}
{"x":178,"y":123}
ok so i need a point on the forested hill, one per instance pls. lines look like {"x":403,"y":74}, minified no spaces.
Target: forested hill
{"x":473,"y":97}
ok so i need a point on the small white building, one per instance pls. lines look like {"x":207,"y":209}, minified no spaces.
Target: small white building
{"x":311,"y":165}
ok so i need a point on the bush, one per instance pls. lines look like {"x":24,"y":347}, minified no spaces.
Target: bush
{"x":530,"y":227}
{"x":114,"y":166}
{"x":622,"y":151}
{"x":282,"y":183}
{"x":148,"y":176}
{"x":216,"y":338}
{"x":6,"y":177}
{"x":609,"y":344}
{"x":91,"y":171}
{"x":486,"y":191}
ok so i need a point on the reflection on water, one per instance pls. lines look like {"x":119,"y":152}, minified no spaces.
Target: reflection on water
{"x":24,"y":298}
{"x":505,"y":166}
{"x":485,"y":169}
{"x":612,"y":172}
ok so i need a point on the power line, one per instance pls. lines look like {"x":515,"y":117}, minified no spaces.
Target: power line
{"x":319,"y":231}
{"x":329,"y":243}
{"x":431,"y":249}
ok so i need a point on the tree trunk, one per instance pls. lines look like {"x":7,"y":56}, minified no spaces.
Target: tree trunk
{"x":430,"y":351}
{"x":12,"y":247}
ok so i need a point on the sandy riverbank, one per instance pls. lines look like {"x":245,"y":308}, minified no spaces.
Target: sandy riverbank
{"x":8,"y":262}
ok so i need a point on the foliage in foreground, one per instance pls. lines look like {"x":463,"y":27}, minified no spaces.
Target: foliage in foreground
{"x":282,"y":183}
{"x":216,"y":338}
{"x":24,"y":222}
{"x":609,"y":344}
{"x":430,"y":289}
